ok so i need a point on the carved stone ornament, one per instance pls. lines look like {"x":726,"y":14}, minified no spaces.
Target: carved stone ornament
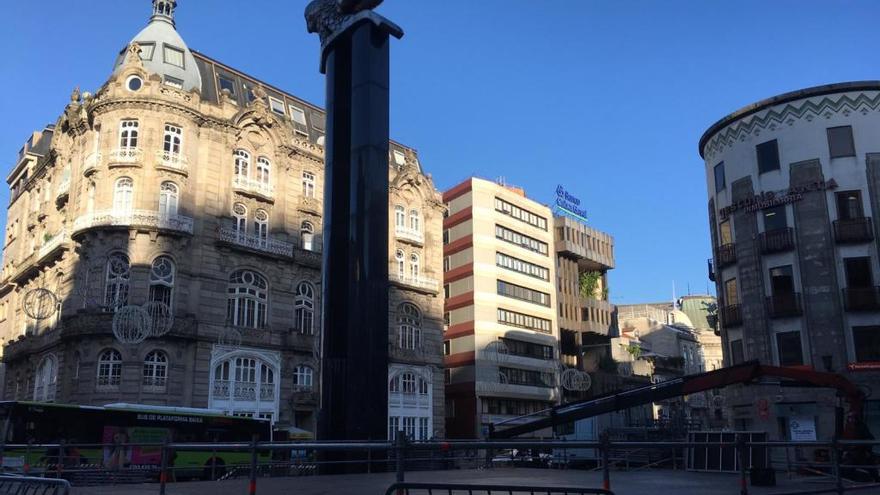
{"x":329,"y":18}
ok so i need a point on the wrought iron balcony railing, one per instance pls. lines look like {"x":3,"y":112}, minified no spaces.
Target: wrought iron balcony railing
{"x":853,"y":230}
{"x":172,"y":161}
{"x":265,"y":244}
{"x":777,"y":241}
{"x":127,"y":156}
{"x":731,"y":315}
{"x":726,"y":255}
{"x":785,"y":305}
{"x":861,"y":298}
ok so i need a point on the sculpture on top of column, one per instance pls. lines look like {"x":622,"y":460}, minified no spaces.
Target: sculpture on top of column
{"x":328,"y":18}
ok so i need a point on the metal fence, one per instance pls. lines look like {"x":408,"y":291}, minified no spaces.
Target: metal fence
{"x":22,"y":485}
{"x":849,"y":467}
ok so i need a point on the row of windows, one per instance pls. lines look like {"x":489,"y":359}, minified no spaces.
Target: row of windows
{"x":296,"y":114}
{"x":866,"y":341}
{"x":518,"y":265}
{"x":413,"y":427}
{"x":521,"y":240}
{"x":261,"y":226}
{"x":513,"y":407}
{"x":532,"y":378}
{"x":415,"y":219}
{"x":524,"y":321}
{"x":840,"y":144}
{"x":527,"y":349}
{"x":520,"y":214}
{"x":409,"y":384}
{"x":415,"y":270}
{"x":523,"y":293}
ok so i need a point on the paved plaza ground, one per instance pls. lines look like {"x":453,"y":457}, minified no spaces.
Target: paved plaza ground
{"x":652,"y":482}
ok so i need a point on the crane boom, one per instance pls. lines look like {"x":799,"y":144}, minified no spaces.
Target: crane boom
{"x":691,"y":384}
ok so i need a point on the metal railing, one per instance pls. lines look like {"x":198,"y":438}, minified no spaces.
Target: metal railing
{"x":52,"y":243}
{"x":726,"y":255}
{"x":731,"y":315}
{"x":173,"y":161}
{"x":24,"y":485}
{"x":853,"y":230}
{"x":125,"y":155}
{"x":862,"y":298}
{"x":777,"y":241}
{"x":265,"y":459}
{"x":785,"y":305}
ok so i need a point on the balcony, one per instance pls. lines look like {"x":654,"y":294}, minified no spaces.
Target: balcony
{"x":268,"y":245}
{"x":731,"y":315}
{"x":418,"y":283}
{"x":63,"y":189}
{"x":123,"y":157}
{"x":134,"y":219}
{"x":777,"y":241}
{"x":252,"y":186}
{"x":854,"y":230}
{"x":90,"y":164}
{"x":785,"y":305}
{"x":407,"y":234}
{"x":174,"y":162}
{"x":53,"y":244}
{"x":861,"y":298}
{"x":309,"y":258}
{"x":243,"y":391}
{"x":408,"y":400}
{"x":726,"y":255}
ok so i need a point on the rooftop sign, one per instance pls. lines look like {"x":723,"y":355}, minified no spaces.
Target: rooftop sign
{"x":569,"y":204}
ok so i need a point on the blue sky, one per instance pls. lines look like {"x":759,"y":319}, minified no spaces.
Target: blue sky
{"x":607,"y":97}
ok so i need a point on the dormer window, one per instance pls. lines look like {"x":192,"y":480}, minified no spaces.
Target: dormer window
{"x":147,"y":50}
{"x":173,"y":56}
{"x":173,"y":82}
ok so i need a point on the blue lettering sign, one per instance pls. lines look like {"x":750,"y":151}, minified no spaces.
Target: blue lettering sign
{"x":569,"y":204}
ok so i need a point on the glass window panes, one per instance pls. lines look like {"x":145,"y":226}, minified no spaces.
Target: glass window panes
{"x":227,"y":83}
{"x":788,"y":346}
{"x":775,"y":218}
{"x":768,"y":156}
{"x":399,"y":158}
{"x":849,"y":205}
{"x":276,"y":105}
{"x":520,"y":214}
{"x":523,"y":293}
{"x":781,"y":281}
{"x":147,"y":50}
{"x":173,"y":82}
{"x":520,"y":266}
{"x":840,"y":142}
{"x":524,"y":321}
{"x":521,"y":240}
{"x":858,"y":272}
{"x":736,"y":352}
{"x":719,"y":177}
{"x":173,"y":56}
{"x":867,"y":343}
{"x":725,"y":233}
{"x":297,"y":114}
{"x":731,"y":296}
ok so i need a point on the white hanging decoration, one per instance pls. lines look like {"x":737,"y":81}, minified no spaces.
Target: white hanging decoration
{"x":161,"y":318}
{"x":131,"y":324}
{"x":576,"y":380}
{"x":229,"y":337}
{"x":40,"y":303}
{"x":497,"y":351}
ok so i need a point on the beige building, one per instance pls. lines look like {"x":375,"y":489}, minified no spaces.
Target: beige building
{"x":187,"y":186}
{"x":502,"y":331}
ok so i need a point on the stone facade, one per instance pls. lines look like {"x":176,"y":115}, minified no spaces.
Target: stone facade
{"x":207,"y":200}
{"x":792,"y":192}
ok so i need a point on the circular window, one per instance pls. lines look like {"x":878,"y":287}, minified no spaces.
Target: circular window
{"x":134,"y":83}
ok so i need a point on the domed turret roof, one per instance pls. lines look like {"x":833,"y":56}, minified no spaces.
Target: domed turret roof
{"x":163,"y":51}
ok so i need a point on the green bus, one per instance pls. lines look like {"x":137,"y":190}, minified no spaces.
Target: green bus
{"x":80,"y":428}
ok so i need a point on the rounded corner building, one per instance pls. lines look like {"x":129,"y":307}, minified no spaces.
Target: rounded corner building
{"x":794,"y":189}
{"x":188,"y":187}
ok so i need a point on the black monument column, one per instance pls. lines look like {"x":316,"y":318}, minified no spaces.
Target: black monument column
{"x":354,"y":378}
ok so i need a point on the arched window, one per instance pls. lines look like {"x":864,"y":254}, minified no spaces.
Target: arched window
{"x":242,"y":164}
{"x":261,"y":226}
{"x":415,"y":221}
{"x":156,"y":369}
{"x":414,"y":269}
{"x":162,"y":280}
{"x":109,"y":368}
{"x":245,"y":386}
{"x":409,"y":325}
{"x":123,"y":195}
{"x":303,"y":378}
{"x":400,"y":217}
{"x":128,"y":134}
{"x":248,"y":295}
{"x":307,"y":233}
{"x":45,"y":382}
{"x":308,"y":184}
{"x":172,"y":140}
{"x":304,"y":309}
{"x":239,"y":211}
{"x":263,"y":170}
{"x":116,"y":281}
{"x":168,"y":199}
{"x":399,"y":257}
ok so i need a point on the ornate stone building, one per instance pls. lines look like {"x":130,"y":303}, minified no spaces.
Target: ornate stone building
{"x":193,"y":187}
